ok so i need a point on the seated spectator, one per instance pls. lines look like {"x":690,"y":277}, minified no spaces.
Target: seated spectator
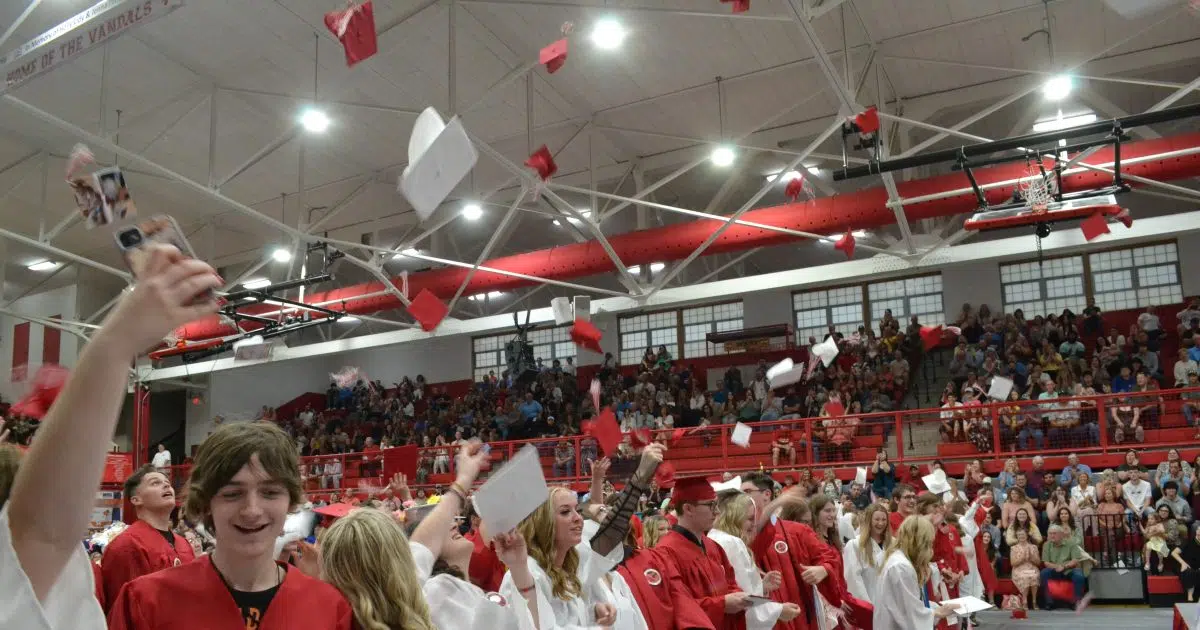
{"x":1026,"y":564}
{"x":1138,"y":494}
{"x":883,"y":476}
{"x":1022,"y":521}
{"x":564,"y":460}
{"x":1070,"y":474}
{"x":1188,"y":559}
{"x":1191,"y":402}
{"x":782,"y":447}
{"x":951,"y":428}
{"x":1061,"y":559}
{"x":1084,"y":501}
{"x":1171,"y":499}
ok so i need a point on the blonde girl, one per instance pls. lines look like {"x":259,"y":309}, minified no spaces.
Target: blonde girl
{"x":899,"y":603}
{"x":862,"y":558}
{"x":733,"y":531}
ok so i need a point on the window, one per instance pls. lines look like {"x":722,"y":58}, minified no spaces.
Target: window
{"x":698,"y":322}
{"x":1136,"y":278}
{"x":1043,"y":288}
{"x":548,"y":344}
{"x":920,"y":296}
{"x":817,"y":310}
{"x":648,"y":331}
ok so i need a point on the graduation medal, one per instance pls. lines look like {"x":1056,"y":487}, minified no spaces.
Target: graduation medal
{"x":497,"y":598}
{"x":781,"y":546}
{"x":653,"y":577}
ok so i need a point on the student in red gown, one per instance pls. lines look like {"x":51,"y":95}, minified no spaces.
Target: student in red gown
{"x":148,"y":545}
{"x":245,"y":480}
{"x":707,"y":576}
{"x":837,"y":593}
{"x":486,"y":569}
{"x":904,"y":500}
{"x":785,"y":543}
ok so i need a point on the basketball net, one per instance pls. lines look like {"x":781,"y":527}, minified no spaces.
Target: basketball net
{"x":1038,"y":189}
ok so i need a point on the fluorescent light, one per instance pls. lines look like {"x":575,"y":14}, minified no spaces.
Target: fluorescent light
{"x":723,"y":156}
{"x":479,"y":297}
{"x":256,"y":283}
{"x":1057,"y":87}
{"x":314,"y":120}
{"x":583,"y":213}
{"x":608,"y":34}
{"x":42,"y":265}
{"x":856,"y":233}
{"x":1060,"y":122}
{"x":347,"y":319}
{"x":281,"y":254}
{"x":654,"y":268}
{"x":407,"y":253}
{"x":472,"y":211}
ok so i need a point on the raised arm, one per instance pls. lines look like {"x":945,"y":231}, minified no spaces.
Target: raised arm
{"x":613,"y":530}
{"x":54,"y":490}
{"x":431,"y":532}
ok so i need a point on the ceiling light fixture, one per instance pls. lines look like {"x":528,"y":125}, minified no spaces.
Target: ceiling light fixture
{"x":347,"y":319}
{"x":281,"y":254}
{"x":42,"y":265}
{"x":654,"y":268}
{"x":314,"y":120}
{"x":856,"y":233}
{"x":583,"y":213}
{"x":723,"y":156}
{"x":491,"y":295}
{"x":472,"y":211}
{"x":407,"y":253}
{"x":1060,"y":122}
{"x":256,"y":283}
{"x":1058,"y":87}
{"x":608,"y":34}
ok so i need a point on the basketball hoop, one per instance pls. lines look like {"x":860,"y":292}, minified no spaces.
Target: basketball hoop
{"x":1037,"y":187}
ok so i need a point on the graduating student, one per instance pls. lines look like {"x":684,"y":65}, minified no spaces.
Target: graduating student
{"x":245,"y":480}
{"x":701,"y":562}
{"x":44,"y":572}
{"x":734,"y":527}
{"x":863,"y":556}
{"x":904,"y":501}
{"x":148,"y":545}
{"x":901,"y":602}
{"x":660,"y":592}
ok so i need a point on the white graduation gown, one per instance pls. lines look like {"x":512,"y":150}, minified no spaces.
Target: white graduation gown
{"x":455,"y":604}
{"x":71,"y":602}
{"x":575,"y":613}
{"x":898,"y":604}
{"x":618,"y":593}
{"x":862,"y":578}
{"x":761,"y":616}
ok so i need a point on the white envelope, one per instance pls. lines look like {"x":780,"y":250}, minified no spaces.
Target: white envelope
{"x":440,"y":156}
{"x":732,"y":484}
{"x":860,"y":476}
{"x":741,"y":435}
{"x":513,"y":492}
{"x":936,"y":482}
{"x":1000,"y":389}
{"x":562,"y":310}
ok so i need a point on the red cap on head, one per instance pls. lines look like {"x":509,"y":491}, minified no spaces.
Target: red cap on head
{"x":693,"y":490}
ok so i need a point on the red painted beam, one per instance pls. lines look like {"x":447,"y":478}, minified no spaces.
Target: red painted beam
{"x":860,"y":210}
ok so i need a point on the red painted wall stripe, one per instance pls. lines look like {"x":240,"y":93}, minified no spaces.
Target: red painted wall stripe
{"x":51,"y":343}
{"x":20,"y":352}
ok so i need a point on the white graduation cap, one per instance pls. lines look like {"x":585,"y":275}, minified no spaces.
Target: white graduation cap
{"x":1000,"y":389}
{"x":439,"y":156}
{"x":790,"y":377}
{"x":562,"y":310}
{"x":732,"y":484}
{"x":860,"y":476}
{"x":513,"y":492}
{"x":741,"y":435}
{"x":827,"y":351}
{"x":936,"y":482}
{"x":780,"y":368}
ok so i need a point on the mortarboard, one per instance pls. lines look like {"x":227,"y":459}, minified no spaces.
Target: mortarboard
{"x":428,"y":310}
{"x":355,"y":28}
{"x":554,"y":55}
{"x":1094,"y":227}
{"x":440,"y":156}
{"x":542,"y":162}
{"x":845,"y":244}
{"x":692,"y":490}
{"x":586,"y":335}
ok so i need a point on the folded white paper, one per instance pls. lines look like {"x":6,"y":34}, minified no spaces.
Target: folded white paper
{"x":860,"y":476}
{"x":966,"y":605}
{"x":827,"y":351}
{"x":440,"y":156}
{"x":1000,"y":389}
{"x":936,"y":482}
{"x":732,"y":484}
{"x":779,"y":368}
{"x":740,"y":435}
{"x":513,"y":492}
{"x":790,"y":377}
{"x":562,"y":310}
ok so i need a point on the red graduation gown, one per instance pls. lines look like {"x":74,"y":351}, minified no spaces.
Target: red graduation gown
{"x":487,"y":571}
{"x":945,"y":540}
{"x":706,"y":573}
{"x":98,"y":580}
{"x":661,"y":594}
{"x":785,"y":546}
{"x":987,"y":573}
{"x":138,"y":551}
{"x":193,"y":597}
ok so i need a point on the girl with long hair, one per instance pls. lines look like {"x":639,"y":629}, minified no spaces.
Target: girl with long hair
{"x":900,"y":602}
{"x":734,"y":530}
{"x":1026,"y":564}
{"x":1022,"y":521}
{"x":863,"y":555}
{"x":653,"y":528}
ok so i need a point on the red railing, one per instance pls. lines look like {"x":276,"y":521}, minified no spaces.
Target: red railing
{"x":991,"y":433}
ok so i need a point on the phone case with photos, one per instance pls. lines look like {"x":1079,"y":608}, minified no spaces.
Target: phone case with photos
{"x":159,"y":229}
{"x":114,"y":194}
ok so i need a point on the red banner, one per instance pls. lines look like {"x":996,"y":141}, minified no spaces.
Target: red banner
{"x":117,"y":466}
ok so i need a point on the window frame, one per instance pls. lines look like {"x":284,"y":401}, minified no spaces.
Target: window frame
{"x":680,"y":340}
{"x":560,"y":338}
{"x":866,"y":310}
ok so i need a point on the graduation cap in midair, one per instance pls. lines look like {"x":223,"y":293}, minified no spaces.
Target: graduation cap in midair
{"x":605,"y":429}
{"x":738,"y":6}
{"x":1094,"y":226}
{"x":542,"y":162}
{"x":554,"y":55}
{"x":845,"y":244}
{"x":440,"y":156}
{"x":428,"y":310}
{"x":354,"y":27}
{"x":931,"y":336}
{"x":586,"y":335}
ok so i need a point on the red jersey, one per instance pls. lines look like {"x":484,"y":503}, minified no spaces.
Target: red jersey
{"x":138,"y":551}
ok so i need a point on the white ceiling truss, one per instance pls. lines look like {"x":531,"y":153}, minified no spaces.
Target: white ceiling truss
{"x":220,"y":143}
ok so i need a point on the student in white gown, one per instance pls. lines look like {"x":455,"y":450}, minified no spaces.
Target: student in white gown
{"x":862,"y":557}
{"x":568,"y":574}
{"x":734,"y":525}
{"x":972,"y":582}
{"x":900,"y":603}
{"x":612,"y":588}
{"x":45,"y":575}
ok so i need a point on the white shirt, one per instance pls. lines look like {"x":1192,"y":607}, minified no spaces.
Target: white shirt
{"x":762,"y":616}
{"x":71,"y":602}
{"x":1138,"y":492}
{"x":1148,"y":322}
{"x":162,"y":459}
{"x":567,"y":614}
{"x":455,"y":604}
{"x":862,"y":579}
{"x":1078,"y":494}
{"x":953,"y":409}
{"x":898,"y":604}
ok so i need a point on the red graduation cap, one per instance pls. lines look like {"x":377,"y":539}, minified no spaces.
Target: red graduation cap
{"x":640,"y":438}
{"x":739,"y":6}
{"x":47,"y":384}
{"x":835,"y":409}
{"x":428,"y":310}
{"x":1094,"y":226}
{"x":1061,"y":590}
{"x":692,"y":490}
{"x":334,"y":510}
{"x":860,"y":612}
{"x":1125,"y":217}
{"x":542,"y":162}
{"x":665,"y":475}
{"x":931,"y":336}
{"x":846,"y":243}
{"x":794,"y":188}
{"x":586,"y":335}
{"x":355,"y":28}
{"x":868,"y":121}
{"x":678,"y":434}
{"x":554,"y":55}
{"x":605,"y":429}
